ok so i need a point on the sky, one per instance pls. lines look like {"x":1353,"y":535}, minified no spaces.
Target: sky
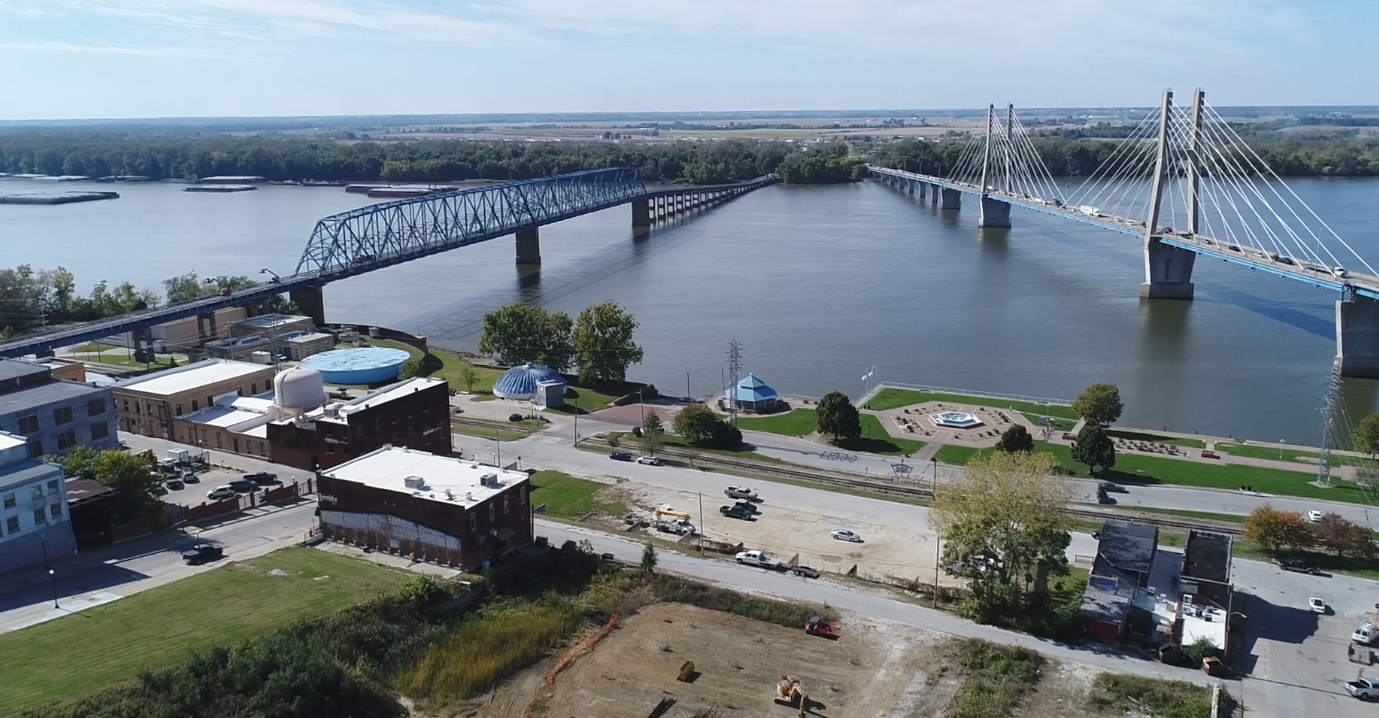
{"x":62,"y":59}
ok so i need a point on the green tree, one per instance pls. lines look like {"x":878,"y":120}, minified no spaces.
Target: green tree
{"x":1099,"y":404}
{"x":696,"y":423}
{"x":603,"y":342}
{"x":468,"y":376}
{"x":79,"y":462}
{"x":653,"y":433}
{"x":410,"y":368}
{"x":1094,"y":448}
{"x":837,"y":417}
{"x":1004,"y":529}
{"x":649,"y":558}
{"x":1016,"y":438}
{"x":134,"y":476}
{"x":520,"y":333}
{"x":1200,"y":650}
{"x":1366,"y":435}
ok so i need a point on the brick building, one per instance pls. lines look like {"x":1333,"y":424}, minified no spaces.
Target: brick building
{"x":414,"y":413}
{"x":148,"y":404}
{"x":432,"y":508}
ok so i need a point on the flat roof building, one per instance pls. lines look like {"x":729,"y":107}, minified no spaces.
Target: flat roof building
{"x":414,"y":413}
{"x":432,"y":508}
{"x":53,"y":415}
{"x":33,"y":508}
{"x":271,"y":325}
{"x":148,"y":404}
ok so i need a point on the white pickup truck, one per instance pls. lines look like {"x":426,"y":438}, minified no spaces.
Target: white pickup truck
{"x":740,"y":492}
{"x":1365,"y":689}
{"x":757,"y":558}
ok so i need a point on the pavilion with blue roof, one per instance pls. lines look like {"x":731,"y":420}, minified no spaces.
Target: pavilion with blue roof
{"x":754,"y":395}
{"x":531,"y":382}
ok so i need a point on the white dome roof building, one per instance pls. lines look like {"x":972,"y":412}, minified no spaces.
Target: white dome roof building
{"x":524,"y":382}
{"x":298,"y":390}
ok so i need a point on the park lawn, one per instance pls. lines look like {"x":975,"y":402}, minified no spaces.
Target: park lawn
{"x":113,"y":359}
{"x":1059,"y":423}
{"x":1302,"y":456}
{"x":94,"y":347}
{"x":957,"y":455}
{"x":70,"y":656}
{"x":896,"y":398}
{"x":1132,"y":435}
{"x":876,"y":440}
{"x":495,"y":432}
{"x":567,"y":497}
{"x":797,"y":422}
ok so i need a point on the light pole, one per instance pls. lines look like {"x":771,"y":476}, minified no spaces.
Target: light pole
{"x":52,"y":578}
{"x":937,"y":537}
{"x":274,"y":274}
{"x":576,"y":419}
{"x":641,"y":402}
{"x":1280,"y":448}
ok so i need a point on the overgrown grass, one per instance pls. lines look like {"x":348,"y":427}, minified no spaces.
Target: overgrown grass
{"x":568,"y":497}
{"x":876,"y":440}
{"x":796,"y":422}
{"x":995,"y":678}
{"x":495,"y":433}
{"x":897,"y":398}
{"x":114,"y":642}
{"x":1126,"y":694}
{"x":683,"y":590}
{"x":1233,"y":518}
{"x":1130,"y":435}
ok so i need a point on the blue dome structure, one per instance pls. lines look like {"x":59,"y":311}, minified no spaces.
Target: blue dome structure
{"x":523,"y":382}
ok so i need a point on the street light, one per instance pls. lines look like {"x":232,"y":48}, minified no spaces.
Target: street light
{"x":937,"y":538}
{"x":52,"y":579}
{"x":1280,"y":448}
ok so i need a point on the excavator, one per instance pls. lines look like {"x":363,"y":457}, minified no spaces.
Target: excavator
{"x":791,"y":693}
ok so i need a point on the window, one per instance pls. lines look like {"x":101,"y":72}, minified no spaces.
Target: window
{"x":162,"y":411}
{"x":55,"y":510}
{"x":28,"y":424}
{"x":178,"y":411}
{"x":10,"y":502}
{"x":492,"y":511}
{"x":473,"y":521}
{"x":13,"y":523}
{"x":62,"y":415}
{"x":126,"y":404}
{"x":35,"y":449}
{"x":36,"y":493}
{"x":95,"y":407}
{"x":100,"y":431}
{"x":506,"y":506}
{"x":137,"y":410}
{"x":196,"y":404}
{"x":253,"y":387}
{"x":52,"y":486}
{"x":522,"y":497}
{"x":66,"y":440}
{"x":39,"y":516}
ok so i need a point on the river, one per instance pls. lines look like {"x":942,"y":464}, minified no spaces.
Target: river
{"x":817,"y":283}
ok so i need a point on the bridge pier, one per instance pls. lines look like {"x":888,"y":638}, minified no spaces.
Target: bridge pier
{"x":529,"y":247}
{"x":641,"y":213}
{"x":995,"y":213}
{"x":312,"y":302}
{"x":1357,"y":337}
{"x":934,"y":192}
{"x":950,"y":199}
{"x":201,"y":321}
{"x":1167,"y":271}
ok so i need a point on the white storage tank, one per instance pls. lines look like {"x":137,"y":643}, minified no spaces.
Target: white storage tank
{"x":299,"y":388}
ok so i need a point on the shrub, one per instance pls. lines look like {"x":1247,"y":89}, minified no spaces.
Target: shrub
{"x":681,"y":590}
{"x":1126,"y":693}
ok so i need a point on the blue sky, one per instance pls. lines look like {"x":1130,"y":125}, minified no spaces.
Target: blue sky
{"x":157,"y":58}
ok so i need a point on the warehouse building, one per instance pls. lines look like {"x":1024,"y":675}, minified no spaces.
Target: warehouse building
{"x":53,"y":415}
{"x":33,"y":508}
{"x":149,"y":404}
{"x":432,"y":508}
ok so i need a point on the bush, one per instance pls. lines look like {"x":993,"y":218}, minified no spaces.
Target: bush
{"x":681,"y":590}
{"x":995,"y":679}
{"x":1126,"y":693}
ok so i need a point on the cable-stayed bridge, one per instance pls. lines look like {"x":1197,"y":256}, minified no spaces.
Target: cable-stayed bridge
{"x":1186,"y":184}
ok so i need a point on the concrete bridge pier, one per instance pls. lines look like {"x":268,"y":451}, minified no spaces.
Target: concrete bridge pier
{"x":202,"y":320}
{"x":951,"y":199}
{"x":922,"y":186}
{"x":312,"y":302}
{"x":1357,"y":337}
{"x":995,"y":213}
{"x":1167,"y":271}
{"x":529,"y":247}
{"x":641,"y":214}
{"x":934,"y":192}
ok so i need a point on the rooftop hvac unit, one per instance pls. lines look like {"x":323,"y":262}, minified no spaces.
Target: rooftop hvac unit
{"x":488,"y":480}
{"x":414,"y":482}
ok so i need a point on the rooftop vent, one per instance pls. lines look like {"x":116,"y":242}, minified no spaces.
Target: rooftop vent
{"x":414,"y":482}
{"x":468,"y":496}
{"x":488,"y":480}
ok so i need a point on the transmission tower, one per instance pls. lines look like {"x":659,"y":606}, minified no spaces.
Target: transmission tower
{"x":734,"y":367}
{"x":1332,"y":405}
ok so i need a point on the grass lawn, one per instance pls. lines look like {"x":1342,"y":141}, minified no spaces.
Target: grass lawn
{"x":1128,"y":694}
{"x":1059,"y":423}
{"x":896,"y":398}
{"x":876,"y":440}
{"x":94,"y":347}
{"x":568,"y":497}
{"x":995,"y":678}
{"x":120,"y":360}
{"x":72,"y":655}
{"x":1232,"y":518}
{"x":797,"y":422}
{"x":1129,"y":435}
{"x":496,"y":431}
{"x":628,"y":442}
{"x":1302,"y":456}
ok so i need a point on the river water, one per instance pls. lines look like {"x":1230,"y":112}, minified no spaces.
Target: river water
{"x":817,"y":283}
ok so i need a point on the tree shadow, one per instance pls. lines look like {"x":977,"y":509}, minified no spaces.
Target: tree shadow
{"x":869,"y":446}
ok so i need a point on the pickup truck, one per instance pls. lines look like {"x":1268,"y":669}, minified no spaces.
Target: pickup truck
{"x":1363,"y":688}
{"x":757,"y":558}
{"x":740,"y":492}
{"x":736,"y":511}
{"x":1301,"y":565}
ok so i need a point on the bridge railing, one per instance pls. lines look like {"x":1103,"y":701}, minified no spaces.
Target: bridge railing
{"x":739,"y":187}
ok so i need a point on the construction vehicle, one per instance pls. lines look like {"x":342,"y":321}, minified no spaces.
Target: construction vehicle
{"x":820,"y":626}
{"x":791,"y":693}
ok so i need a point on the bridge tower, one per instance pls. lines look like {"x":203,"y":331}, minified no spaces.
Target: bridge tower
{"x":995,"y":213}
{"x":1168,"y":269}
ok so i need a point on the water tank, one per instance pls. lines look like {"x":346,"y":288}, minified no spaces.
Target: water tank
{"x":299,"y":388}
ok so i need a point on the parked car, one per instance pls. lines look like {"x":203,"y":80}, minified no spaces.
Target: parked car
{"x":749,"y":507}
{"x":805,"y":571}
{"x":736,"y":512}
{"x":649,"y":460}
{"x":846,"y":535}
{"x":740,"y":492}
{"x":262,"y":478}
{"x":1317,"y":605}
{"x":220,"y":493}
{"x":1314,"y":516}
{"x":757,"y":558}
{"x":620,"y":456}
{"x":175,"y":485}
{"x":203,"y":553}
{"x":1365,"y":634}
{"x":515,"y":417}
{"x":190,"y":477}
{"x":243,"y":486}
{"x":1301,"y":565}
{"x":1366,"y":689}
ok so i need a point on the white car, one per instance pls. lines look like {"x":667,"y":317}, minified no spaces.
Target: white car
{"x":220,"y":493}
{"x":1340,"y":272}
{"x":757,"y":558}
{"x":740,"y":492}
{"x":649,"y":460}
{"x":1314,"y":516}
{"x":846,"y":535}
{"x":1317,"y":605}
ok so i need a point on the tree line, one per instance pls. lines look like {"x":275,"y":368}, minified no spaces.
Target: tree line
{"x":599,"y":343}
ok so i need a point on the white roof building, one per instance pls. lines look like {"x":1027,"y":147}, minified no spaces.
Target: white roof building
{"x":190,"y":377}
{"x":428,"y":476}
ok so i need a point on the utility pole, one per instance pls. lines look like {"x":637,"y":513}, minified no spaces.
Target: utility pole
{"x":1332,"y":405}
{"x":1194,"y":171}
{"x":986,"y":155}
{"x":734,"y":367}
{"x":937,"y":538}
